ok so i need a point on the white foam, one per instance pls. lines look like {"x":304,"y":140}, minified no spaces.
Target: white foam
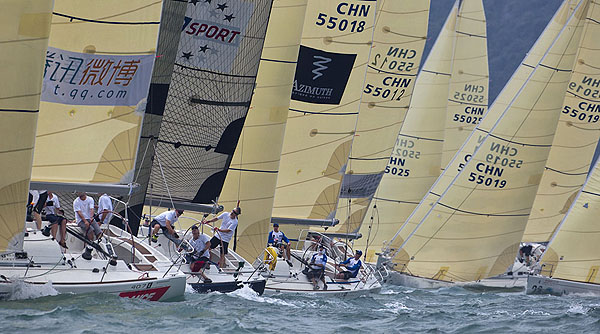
{"x":534,"y":312}
{"x":396,"y":308}
{"x":189,"y":289}
{"x":22,"y":290}
{"x":247,"y":293}
{"x":578,"y":309}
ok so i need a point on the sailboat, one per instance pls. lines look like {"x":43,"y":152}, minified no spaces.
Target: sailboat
{"x":436,"y":119}
{"x":201,"y":111}
{"x":458,"y":233}
{"x":326,"y":95}
{"x":31,"y":257}
{"x":568,"y":163}
{"x":570,"y":264}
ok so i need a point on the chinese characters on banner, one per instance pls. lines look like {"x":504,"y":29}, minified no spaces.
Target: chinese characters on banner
{"x":212,"y":33}
{"x":90,"y":79}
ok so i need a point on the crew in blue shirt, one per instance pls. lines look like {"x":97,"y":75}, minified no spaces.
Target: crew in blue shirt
{"x":277,"y":239}
{"x":351,"y":266}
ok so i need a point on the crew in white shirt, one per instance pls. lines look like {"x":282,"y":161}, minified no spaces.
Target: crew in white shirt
{"x":225,"y":232}
{"x":105,"y":209}
{"x":165,"y":222}
{"x":83,"y":206}
{"x":200,"y":259}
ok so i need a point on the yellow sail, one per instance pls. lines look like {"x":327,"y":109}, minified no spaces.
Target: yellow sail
{"x":24,"y":39}
{"x":398,"y":42}
{"x":469,"y":225}
{"x":574,"y":143}
{"x":252,"y":174}
{"x":468,"y":93}
{"x":328,"y":85}
{"x":573,"y":251}
{"x":410,"y":172}
{"x":96,"y":79}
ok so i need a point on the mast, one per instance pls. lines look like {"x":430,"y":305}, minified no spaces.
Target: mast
{"x":25,"y":39}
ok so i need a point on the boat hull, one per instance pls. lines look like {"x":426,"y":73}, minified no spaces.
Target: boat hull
{"x":226,"y":287}
{"x":537,"y":284}
{"x":503,"y":283}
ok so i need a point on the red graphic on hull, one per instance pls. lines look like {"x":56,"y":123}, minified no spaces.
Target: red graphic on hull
{"x":150,"y":294}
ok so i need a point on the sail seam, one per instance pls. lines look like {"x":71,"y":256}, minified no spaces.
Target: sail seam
{"x":254,"y":170}
{"x":424,"y":138}
{"x":19,"y":110}
{"x":221,"y":103}
{"x":482,"y":214}
{"x":104,"y":22}
{"x":386,"y":72}
{"x":564,"y":173}
{"x":323,"y":113}
{"x":434,"y":72}
{"x":280,"y":61}
{"x":216,"y":73}
{"x":470,"y":35}
{"x":512,"y":141}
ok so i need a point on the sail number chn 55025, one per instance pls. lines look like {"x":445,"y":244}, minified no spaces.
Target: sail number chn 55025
{"x":340,"y":23}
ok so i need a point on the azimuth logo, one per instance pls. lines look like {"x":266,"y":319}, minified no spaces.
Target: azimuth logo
{"x":332,"y":69}
{"x":320,"y":66}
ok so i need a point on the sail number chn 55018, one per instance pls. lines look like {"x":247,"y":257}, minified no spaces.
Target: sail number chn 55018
{"x":340,"y":23}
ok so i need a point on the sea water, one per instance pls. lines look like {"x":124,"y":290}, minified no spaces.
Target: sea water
{"x":393,"y":310}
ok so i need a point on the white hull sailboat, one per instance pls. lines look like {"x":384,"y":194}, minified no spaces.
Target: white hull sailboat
{"x":286,"y":279}
{"x":115,"y":267}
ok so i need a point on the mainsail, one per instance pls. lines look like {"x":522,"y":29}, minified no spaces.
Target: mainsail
{"x":469,"y":225}
{"x":24,"y":39}
{"x":410,"y":173}
{"x":573,"y":251}
{"x":252,"y":173}
{"x":208,"y":98}
{"x":95,"y":87}
{"x":398,"y":42}
{"x":328,"y":85}
{"x":574,"y":143}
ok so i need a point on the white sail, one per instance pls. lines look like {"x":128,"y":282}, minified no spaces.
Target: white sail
{"x":252,"y":173}
{"x":410,"y":172}
{"x":573,"y":147}
{"x":95,"y":86}
{"x":469,"y":225}
{"x":328,"y":85}
{"x":24,"y":37}
{"x":398,"y":42}
{"x":573,"y":253}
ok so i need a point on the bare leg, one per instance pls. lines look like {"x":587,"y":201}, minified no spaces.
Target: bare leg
{"x":155,"y":229}
{"x":289,"y":256}
{"x":222,"y":260}
{"x":63,"y":230}
{"x":53,"y":230}
{"x":38,"y":220}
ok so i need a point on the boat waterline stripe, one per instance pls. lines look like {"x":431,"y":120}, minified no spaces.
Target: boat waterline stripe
{"x":564,"y":173}
{"x":324,"y":113}
{"x":279,"y":61}
{"x":216,"y":73}
{"x":469,"y":103}
{"x":470,"y":35}
{"x":483,"y":214}
{"x":424,"y":138}
{"x":221,"y":103}
{"x":254,"y":170}
{"x":434,"y":72}
{"x":511,"y":141}
{"x":386,"y":72}
{"x":104,"y":22}
{"x":19,"y":110}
